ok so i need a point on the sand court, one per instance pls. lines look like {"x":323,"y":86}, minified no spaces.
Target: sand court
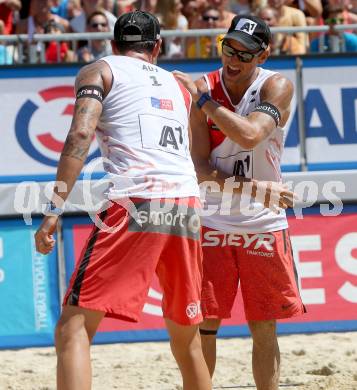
{"x":325,"y":361}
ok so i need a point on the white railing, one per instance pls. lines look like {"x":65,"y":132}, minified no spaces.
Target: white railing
{"x":16,"y":45}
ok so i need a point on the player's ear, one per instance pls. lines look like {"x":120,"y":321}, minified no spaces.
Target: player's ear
{"x":114,"y":47}
{"x":264,"y":56}
{"x":157,"y":48}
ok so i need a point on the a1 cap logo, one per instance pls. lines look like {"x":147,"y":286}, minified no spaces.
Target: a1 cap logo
{"x":246,"y":25}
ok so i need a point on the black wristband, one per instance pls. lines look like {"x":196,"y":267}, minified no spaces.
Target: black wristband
{"x":205,"y":97}
{"x":90,"y":91}
{"x":270,"y":109}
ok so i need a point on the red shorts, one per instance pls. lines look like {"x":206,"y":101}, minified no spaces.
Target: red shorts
{"x":263,"y":265}
{"x":116,"y":268}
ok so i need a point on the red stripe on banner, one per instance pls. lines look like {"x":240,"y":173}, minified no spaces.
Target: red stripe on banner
{"x":68,"y":110}
{"x":57,"y":92}
{"x":50,"y":143}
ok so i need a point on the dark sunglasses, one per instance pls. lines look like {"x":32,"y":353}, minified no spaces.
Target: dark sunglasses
{"x":244,"y":56}
{"x":206,"y":18}
{"x":96,"y":25}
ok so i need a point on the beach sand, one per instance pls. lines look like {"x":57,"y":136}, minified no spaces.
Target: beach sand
{"x":309,"y":362}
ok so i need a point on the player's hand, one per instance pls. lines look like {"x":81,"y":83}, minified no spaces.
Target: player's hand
{"x":44,"y":236}
{"x":273,"y":195}
{"x":188,"y":83}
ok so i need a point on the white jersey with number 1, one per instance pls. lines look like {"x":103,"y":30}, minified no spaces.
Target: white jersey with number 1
{"x":143,"y":132}
{"x":261,"y":163}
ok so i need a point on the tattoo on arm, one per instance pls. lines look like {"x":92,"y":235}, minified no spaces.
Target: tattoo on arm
{"x":86,"y":115}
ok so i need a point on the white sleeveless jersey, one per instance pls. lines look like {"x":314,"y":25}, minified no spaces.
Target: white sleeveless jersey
{"x":143,"y":132}
{"x":261,"y":163}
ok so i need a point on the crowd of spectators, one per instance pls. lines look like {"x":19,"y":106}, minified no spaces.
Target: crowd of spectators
{"x":59,"y":16}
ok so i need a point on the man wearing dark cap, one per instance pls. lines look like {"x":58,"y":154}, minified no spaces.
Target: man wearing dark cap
{"x":237,"y":126}
{"x":150,"y":223}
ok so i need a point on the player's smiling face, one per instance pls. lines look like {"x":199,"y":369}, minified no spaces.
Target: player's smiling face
{"x":234,"y":69}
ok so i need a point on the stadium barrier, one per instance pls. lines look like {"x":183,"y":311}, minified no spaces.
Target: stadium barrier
{"x":30,"y":48}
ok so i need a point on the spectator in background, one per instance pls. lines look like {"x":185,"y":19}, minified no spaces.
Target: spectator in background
{"x":248,"y":6}
{"x":6,"y":57}
{"x":334,"y":41}
{"x":352,"y":7}
{"x":97,"y":48}
{"x":78,"y":24}
{"x":123,"y":6}
{"x":191,"y":10}
{"x":67,"y":9}
{"x":118,"y":7}
{"x":349,"y":17}
{"x":7,"y":8}
{"x":169,"y":13}
{"x":311,"y":8}
{"x":74,"y":9}
{"x":281,"y":43}
{"x":57,"y":51}
{"x":225,"y":15}
{"x":207,"y":47}
{"x":171,"y":16}
{"x":40,"y":15}
{"x":147,"y":5}
{"x":290,"y":17}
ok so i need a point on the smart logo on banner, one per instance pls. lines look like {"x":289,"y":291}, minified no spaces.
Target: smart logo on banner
{"x":40,"y":129}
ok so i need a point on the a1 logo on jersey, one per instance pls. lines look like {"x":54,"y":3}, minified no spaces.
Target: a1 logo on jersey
{"x":166,"y":134}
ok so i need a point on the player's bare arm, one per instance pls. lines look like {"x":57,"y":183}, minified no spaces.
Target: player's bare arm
{"x":248,"y":131}
{"x":85,"y":118}
{"x":200,"y":152}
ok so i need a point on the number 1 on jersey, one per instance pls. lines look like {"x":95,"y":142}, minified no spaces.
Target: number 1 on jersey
{"x":155,"y":83}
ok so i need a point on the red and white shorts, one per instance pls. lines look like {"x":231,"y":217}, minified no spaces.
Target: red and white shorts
{"x":263,"y":265}
{"x":116,"y":267}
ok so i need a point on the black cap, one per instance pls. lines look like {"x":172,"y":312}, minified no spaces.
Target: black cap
{"x":250,"y":31}
{"x":137,"y":26}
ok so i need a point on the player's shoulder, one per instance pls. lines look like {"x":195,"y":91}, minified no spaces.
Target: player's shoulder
{"x":95,"y":73}
{"x":276,"y":83}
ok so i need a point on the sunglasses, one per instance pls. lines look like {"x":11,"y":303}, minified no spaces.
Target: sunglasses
{"x":334,"y":21}
{"x":96,"y":25}
{"x":206,"y":18}
{"x":244,"y":56}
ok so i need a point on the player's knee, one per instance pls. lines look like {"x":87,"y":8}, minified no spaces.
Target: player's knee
{"x":69,"y":333}
{"x":185,"y":344}
{"x":209,"y":327}
{"x":263,"y":332}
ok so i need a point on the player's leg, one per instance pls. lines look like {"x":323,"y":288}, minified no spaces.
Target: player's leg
{"x":180,"y":274}
{"x":93,"y":291}
{"x":219,"y":289}
{"x":208,"y":331}
{"x":266,"y":355}
{"x":186,"y":347}
{"x":74,"y":332}
{"x":271,"y":267}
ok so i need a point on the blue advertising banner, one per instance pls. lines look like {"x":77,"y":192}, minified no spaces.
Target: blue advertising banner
{"x":29,"y":305}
